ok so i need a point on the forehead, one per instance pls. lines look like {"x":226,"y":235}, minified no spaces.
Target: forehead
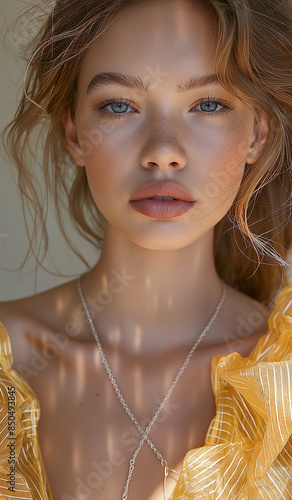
{"x":176,"y":35}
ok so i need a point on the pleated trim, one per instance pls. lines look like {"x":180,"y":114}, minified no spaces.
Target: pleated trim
{"x":248,"y":447}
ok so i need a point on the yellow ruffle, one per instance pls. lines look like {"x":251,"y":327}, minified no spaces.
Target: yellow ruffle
{"x":248,"y":448}
{"x":19,"y":416}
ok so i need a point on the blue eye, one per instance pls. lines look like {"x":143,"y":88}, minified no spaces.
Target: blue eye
{"x":213,"y":106}
{"x":209,"y":106}
{"x":120,"y":106}
{"x":118,"y":110}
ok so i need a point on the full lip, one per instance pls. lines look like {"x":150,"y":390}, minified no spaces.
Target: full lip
{"x":156,"y":188}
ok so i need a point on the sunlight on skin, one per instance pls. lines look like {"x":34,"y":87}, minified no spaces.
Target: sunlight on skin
{"x":170,"y":484}
{"x":137,"y":337}
{"x":148,"y":281}
{"x":169,"y":446}
{"x":76,"y":457}
{"x":137,"y":390}
{"x":114,"y":362}
{"x":59,"y":304}
{"x":109,"y":396}
{"x":111,"y":435}
{"x":62,"y":371}
{"x":191,"y":438}
{"x":114,"y":336}
{"x":104,"y":280}
{"x":155,"y":301}
{"x":168,"y":379}
{"x":138,"y":394}
{"x":111,"y":444}
{"x":52,"y":396}
{"x":96,"y":359}
{"x":170,"y":302}
{"x":77,"y":320}
{"x":81,"y":370}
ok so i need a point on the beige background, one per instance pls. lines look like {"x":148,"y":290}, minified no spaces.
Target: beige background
{"x":13,"y":240}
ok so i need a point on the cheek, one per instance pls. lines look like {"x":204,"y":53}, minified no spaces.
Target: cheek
{"x":227,"y":164}
{"x":222,"y":143}
{"x":222,"y":158}
{"x":99,"y":150}
{"x":94,"y":139}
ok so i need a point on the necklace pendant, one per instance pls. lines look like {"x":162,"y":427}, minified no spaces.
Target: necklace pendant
{"x":167,"y":470}
{"x":164,"y":481}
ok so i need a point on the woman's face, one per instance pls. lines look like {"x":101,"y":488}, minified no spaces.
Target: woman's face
{"x":200,"y":137}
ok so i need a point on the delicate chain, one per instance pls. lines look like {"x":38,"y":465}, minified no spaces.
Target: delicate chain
{"x":109,"y":372}
{"x":166,"y":397}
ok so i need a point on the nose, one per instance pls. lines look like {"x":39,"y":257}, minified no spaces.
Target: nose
{"x":163,"y":151}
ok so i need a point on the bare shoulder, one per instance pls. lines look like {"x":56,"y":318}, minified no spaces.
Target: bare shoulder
{"x":30,"y":317}
{"x":243,"y":304}
{"x":245,"y":322}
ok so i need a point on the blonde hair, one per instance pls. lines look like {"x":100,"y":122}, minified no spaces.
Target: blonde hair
{"x":253,"y":57}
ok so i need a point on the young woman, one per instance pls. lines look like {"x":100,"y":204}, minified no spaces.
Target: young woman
{"x":165,"y":371}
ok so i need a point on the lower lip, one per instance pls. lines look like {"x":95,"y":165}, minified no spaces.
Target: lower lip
{"x":162,"y":209}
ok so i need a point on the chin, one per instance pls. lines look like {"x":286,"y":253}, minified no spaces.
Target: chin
{"x":163,"y":243}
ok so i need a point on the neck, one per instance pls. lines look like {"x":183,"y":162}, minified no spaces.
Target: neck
{"x":148,"y":300}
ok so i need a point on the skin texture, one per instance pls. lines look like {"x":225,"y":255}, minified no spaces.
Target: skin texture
{"x":148,"y":319}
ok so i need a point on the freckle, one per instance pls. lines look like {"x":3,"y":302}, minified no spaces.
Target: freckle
{"x":80,"y":404}
{"x":97,"y":394}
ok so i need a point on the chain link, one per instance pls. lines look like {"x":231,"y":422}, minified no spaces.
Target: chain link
{"x":145,"y":432}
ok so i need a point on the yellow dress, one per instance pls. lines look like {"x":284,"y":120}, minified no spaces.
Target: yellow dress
{"x":248,"y":448}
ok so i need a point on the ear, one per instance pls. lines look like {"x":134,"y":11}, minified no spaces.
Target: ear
{"x":259,"y":139}
{"x":71,"y":135}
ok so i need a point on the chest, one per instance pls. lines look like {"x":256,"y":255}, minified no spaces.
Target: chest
{"x":87,"y":438}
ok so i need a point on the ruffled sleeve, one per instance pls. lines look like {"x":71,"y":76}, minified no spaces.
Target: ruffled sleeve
{"x":248,"y":448}
{"x":22,"y":473}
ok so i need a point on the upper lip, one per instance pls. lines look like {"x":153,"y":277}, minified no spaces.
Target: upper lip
{"x":172,"y":189}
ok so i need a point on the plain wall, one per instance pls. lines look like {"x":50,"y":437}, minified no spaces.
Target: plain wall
{"x":13,"y":239}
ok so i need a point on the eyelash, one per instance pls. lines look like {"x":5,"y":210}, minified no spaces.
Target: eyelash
{"x":102,"y":105}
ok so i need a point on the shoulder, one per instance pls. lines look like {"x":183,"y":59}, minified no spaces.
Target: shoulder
{"x":29,"y":318}
{"x":245,"y":306}
{"x":242,"y":322}
{"x":43,"y":306}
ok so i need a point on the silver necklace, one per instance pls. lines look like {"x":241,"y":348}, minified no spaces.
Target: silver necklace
{"x":145,"y":432}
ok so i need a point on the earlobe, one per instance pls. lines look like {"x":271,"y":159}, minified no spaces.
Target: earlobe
{"x":71,"y":135}
{"x":261,"y":130}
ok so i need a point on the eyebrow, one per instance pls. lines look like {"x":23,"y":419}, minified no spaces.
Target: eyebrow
{"x":112,"y":78}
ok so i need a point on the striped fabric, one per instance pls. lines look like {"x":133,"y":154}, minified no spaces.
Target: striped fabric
{"x":248,"y":447}
{"x":22,"y":473}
